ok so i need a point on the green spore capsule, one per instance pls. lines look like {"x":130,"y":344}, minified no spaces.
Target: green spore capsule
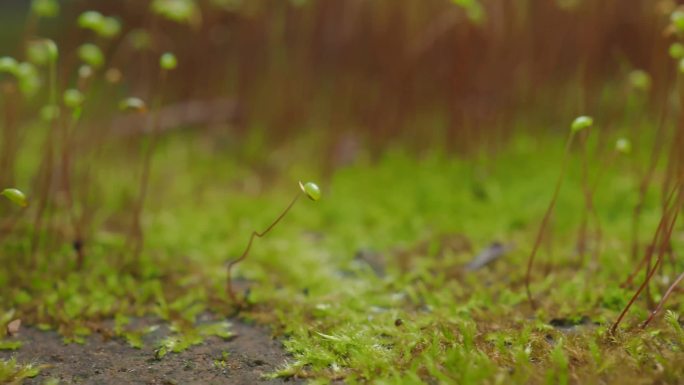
{"x":15,"y":196}
{"x":90,"y":20}
{"x":623,"y":146}
{"x":676,"y":51}
{"x":109,"y":28}
{"x":52,"y":50}
{"x":180,"y":11}
{"x":73,"y":98}
{"x":49,"y":113}
{"x":677,"y":19}
{"x":91,"y":55}
{"x":42,"y":52}
{"x":29,"y":81}
{"x":640,"y":80}
{"x":139,"y":39}
{"x":133,"y":104}
{"x":311,"y":190}
{"x":168,"y":61}
{"x":8,"y":65}
{"x":45,"y":8}
{"x":581,"y":122}
{"x":85,"y":71}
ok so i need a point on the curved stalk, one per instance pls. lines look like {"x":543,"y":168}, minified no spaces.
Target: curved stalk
{"x":245,"y":253}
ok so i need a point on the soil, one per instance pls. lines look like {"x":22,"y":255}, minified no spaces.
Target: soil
{"x":252,"y":353}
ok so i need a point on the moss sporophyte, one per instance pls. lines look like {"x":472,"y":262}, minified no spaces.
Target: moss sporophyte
{"x":579,"y":124}
{"x":312,"y":191}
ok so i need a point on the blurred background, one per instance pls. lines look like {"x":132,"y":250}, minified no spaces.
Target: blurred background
{"x":361,"y":75}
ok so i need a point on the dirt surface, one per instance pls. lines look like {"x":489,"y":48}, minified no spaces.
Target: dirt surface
{"x":251,"y":354}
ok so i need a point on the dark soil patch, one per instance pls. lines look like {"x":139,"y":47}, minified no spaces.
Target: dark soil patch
{"x":251,"y":353}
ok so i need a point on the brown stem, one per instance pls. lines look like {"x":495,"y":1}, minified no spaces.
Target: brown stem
{"x":646,"y":180}
{"x":652,"y":246}
{"x":229,"y":286}
{"x":588,"y":200}
{"x":661,"y":253}
{"x":662,"y":301}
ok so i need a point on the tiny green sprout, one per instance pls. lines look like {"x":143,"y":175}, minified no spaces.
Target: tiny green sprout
{"x":90,"y":20}
{"x":45,"y":8}
{"x":677,"y":19}
{"x":73,"y":98}
{"x":8,"y":65}
{"x":168,"y":61}
{"x":640,"y":80}
{"x":91,"y":55}
{"x":15,"y":196}
{"x":680,"y":66}
{"x":676,"y":51}
{"x":133,"y":104}
{"x":311,"y":190}
{"x":623,"y":146}
{"x":581,"y":122}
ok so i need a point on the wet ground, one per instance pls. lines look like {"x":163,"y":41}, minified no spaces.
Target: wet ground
{"x":242,"y":359}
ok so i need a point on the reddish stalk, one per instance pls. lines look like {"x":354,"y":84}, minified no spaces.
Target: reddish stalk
{"x":646,"y":181}
{"x":651,"y":272}
{"x":588,"y":201}
{"x":662,"y":301}
{"x":652,"y":246}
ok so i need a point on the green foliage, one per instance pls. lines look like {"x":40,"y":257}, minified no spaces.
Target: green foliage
{"x":182,"y":341}
{"x":11,"y":372}
{"x":558,"y":375}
